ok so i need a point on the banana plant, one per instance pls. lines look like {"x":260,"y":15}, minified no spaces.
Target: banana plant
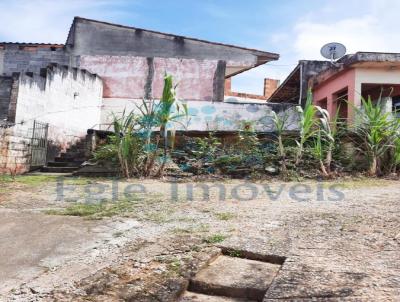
{"x":170,"y":112}
{"x":149,"y":122}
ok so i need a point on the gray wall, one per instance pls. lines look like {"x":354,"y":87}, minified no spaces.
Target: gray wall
{"x":96,"y":38}
{"x":310,"y":69}
{"x":17,"y":58}
{"x":5,"y":94}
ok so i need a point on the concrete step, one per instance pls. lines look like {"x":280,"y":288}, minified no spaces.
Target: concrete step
{"x":63,"y":164}
{"x":72,"y":155}
{"x":70,"y":160}
{"x":236,"y":278}
{"x":58,"y":169}
{"x":77,"y":147}
{"x":194,"y":297}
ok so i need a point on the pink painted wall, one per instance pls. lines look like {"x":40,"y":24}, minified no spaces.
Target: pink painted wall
{"x":345,"y":79}
{"x":125,"y":77}
{"x":195,"y":78}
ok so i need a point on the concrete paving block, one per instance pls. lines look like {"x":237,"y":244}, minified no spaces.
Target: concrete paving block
{"x":235,"y":277}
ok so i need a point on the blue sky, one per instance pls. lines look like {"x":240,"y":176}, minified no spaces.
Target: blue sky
{"x":294,"y":29}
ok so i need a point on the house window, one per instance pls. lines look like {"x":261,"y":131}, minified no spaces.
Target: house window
{"x":323,"y":103}
{"x":396,"y":106}
{"x":340,"y":99}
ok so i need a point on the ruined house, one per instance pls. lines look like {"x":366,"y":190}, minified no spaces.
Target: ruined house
{"x":51,"y":95}
{"x":341,"y":85}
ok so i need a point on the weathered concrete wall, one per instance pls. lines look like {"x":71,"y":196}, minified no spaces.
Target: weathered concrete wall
{"x":5,"y":96}
{"x":99,"y":38}
{"x":141,"y":77}
{"x":14,"y":149}
{"x":310,"y":69}
{"x":218,"y":116}
{"x":20,"y":58}
{"x":1,"y":59}
{"x":270,"y":86}
{"x":67,"y":98}
{"x":123,"y":77}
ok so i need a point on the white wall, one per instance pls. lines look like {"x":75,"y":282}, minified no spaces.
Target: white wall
{"x":68,"y":99}
{"x":374,"y":76}
{"x":235,"y":99}
{"x":213,"y":115}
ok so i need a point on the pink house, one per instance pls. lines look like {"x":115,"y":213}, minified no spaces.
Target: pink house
{"x":341,"y":85}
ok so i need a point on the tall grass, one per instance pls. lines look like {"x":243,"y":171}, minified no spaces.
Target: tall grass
{"x":280,"y":127}
{"x":129,"y":145}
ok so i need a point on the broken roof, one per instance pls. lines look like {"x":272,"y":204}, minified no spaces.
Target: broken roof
{"x":294,"y":88}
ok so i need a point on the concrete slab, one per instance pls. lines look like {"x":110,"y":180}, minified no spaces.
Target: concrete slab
{"x":194,"y":297}
{"x":235,"y":277}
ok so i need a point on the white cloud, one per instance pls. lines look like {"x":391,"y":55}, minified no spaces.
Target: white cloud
{"x":374,"y":27}
{"x":366,"y":25}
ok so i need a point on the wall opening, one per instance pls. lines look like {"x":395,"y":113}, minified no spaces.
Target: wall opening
{"x":340,"y":100}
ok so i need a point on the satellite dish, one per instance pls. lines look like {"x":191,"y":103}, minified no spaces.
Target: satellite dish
{"x":333,"y":51}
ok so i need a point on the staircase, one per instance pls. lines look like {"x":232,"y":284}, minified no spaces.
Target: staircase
{"x":68,"y":161}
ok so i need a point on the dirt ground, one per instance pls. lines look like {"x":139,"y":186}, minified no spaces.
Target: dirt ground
{"x":340,"y":240}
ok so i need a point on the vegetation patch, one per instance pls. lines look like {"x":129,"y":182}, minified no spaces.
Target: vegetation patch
{"x":95,"y":211}
{"x":217,"y":238}
{"x":29,"y":180}
{"x":225,"y":216}
{"x":37,"y":180}
{"x":234,"y":253}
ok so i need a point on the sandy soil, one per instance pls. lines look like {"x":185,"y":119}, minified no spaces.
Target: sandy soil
{"x":341,"y":240}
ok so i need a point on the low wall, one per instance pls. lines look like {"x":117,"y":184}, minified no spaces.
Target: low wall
{"x":68,"y":99}
{"x":14,"y":150}
{"x":216,"y":116}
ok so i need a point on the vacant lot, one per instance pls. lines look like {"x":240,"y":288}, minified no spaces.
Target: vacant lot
{"x":77,"y":239}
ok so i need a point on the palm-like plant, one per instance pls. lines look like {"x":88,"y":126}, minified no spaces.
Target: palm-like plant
{"x":149,"y":122}
{"x":377,"y":130}
{"x":307,"y":124}
{"x":170,"y":111}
